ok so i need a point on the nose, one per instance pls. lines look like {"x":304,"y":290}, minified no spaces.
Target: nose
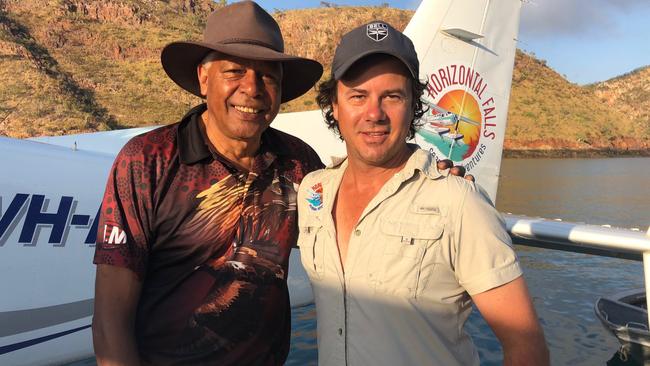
{"x":375,"y":110}
{"x":251,"y":83}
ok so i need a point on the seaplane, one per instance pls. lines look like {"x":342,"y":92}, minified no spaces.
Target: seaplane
{"x":445,"y":123}
{"x":441,"y":121}
{"x":51,"y":188}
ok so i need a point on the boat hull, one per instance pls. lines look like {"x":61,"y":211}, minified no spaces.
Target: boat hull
{"x":625,"y":316}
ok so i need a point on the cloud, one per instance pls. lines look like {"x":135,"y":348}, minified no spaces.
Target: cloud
{"x":578,"y":18}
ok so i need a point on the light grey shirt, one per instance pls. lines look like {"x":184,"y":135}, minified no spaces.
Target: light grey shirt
{"x":423,"y":245}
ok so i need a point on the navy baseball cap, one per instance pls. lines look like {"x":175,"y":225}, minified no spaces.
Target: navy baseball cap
{"x":376,"y":37}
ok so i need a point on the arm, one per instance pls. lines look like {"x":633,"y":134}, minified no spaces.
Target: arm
{"x":121,"y":255}
{"x":117,"y":291}
{"x":509,"y":311}
{"x":487,"y":267}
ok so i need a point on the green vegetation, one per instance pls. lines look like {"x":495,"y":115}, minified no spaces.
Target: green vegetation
{"x":71,"y":66}
{"x":547,"y":111}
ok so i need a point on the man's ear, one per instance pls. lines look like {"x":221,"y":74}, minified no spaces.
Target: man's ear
{"x":335,"y":110}
{"x":202,"y":74}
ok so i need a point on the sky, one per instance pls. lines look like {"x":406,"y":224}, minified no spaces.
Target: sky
{"x":586,"y":41}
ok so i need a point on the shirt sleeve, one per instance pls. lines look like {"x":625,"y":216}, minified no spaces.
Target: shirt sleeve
{"x":310,"y":162}
{"x":485,"y":258}
{"x":123,"y":232}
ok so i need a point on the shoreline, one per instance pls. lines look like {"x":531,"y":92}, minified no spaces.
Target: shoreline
{"x":568,"y":153}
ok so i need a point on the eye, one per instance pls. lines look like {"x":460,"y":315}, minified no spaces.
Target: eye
{"x":234,"y":72}
{"x":395,"y":97}
{"x":270,"y":79}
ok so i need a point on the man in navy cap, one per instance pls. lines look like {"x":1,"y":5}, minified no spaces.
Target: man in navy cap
{"x":397,"y":252}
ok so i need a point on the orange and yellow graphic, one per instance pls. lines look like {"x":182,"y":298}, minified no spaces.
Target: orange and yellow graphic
{"x":464,"y":105}
{"x":453,"y":125}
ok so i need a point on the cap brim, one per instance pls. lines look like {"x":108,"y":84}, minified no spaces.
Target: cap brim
{"x":341,"y":70}
{"x":180,"y":59}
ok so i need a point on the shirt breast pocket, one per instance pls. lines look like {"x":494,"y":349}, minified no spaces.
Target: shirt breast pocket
{"x":311,"y":249}
{"x":403,"y":261}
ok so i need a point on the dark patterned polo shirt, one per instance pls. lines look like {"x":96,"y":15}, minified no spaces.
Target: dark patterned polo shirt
{"x":210,"y":243}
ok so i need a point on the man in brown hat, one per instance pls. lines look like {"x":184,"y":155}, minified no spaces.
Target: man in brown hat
{"x":199,"y":217}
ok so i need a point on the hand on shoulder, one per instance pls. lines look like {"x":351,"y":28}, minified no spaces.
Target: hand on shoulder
{"x":457,"y":170}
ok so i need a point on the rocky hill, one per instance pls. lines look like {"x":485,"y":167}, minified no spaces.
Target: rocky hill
{"x":630,"y":94}
{"x":549,"y":113}
{"x":70,"y":66}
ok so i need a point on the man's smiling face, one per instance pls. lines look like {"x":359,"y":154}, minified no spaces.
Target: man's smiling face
{"x":243,"y":96}
{"x":373,"y":108}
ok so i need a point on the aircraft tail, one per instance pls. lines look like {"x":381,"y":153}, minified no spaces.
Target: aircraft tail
{"x":466,"y":50}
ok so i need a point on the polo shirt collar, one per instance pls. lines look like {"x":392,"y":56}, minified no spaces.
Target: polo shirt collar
{"x":193,"y":145}
{"x":191,"y":140}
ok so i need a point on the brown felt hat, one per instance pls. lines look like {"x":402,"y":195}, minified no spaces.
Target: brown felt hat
{"x":242,"y":29}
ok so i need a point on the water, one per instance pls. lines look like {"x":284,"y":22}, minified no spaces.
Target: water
{"x":564,"y":285}
{"x":597,"y":191}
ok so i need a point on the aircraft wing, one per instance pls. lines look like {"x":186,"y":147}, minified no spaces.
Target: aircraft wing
{"x":107,"y":142}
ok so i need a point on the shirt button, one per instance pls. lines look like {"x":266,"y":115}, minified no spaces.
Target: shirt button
{"x":357,"y":232}
{"x":340,"y":331}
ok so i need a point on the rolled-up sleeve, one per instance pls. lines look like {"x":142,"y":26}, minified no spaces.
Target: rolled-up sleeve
{"x":484,"y":257}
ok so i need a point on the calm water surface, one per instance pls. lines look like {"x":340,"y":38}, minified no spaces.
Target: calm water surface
{"x":564,"y":285}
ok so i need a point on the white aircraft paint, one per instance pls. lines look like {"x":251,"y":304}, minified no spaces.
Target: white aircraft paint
{"x":51,"y":187}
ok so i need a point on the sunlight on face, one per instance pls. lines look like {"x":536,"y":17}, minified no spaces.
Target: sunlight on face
{"x":373,"y":109}
{"x":243,"y":96}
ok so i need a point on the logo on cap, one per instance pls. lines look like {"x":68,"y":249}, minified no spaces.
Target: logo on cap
{"x":377,"y":31}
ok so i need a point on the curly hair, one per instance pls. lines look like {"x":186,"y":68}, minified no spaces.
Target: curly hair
{"x":327,"y":97}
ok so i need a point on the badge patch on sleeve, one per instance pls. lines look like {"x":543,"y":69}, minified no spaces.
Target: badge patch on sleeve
{"x":113,"y":234}
{"x":315,"y":197}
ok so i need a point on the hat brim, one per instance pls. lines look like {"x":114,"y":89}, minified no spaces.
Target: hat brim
{"x":180,"y":59}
